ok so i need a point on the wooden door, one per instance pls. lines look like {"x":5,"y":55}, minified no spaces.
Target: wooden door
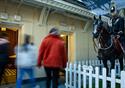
{"x":10,"y":72}
{"x":13,"y":39}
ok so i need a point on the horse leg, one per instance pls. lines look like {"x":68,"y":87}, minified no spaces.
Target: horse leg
{"x":112,"y":61}
{"x":105,"y":64}
{"x":109,"y":70}
{"x":121,"y":62}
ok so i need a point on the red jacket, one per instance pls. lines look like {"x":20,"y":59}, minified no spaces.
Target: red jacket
{"x":52,"y":52}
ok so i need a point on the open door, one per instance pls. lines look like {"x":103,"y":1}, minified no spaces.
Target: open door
{"x":68,"y":38}
{"x":10,"y":72}
{"x":65,"y":38}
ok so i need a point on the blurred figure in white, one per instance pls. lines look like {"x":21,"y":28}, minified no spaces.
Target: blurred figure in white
{"x":26,"y":61}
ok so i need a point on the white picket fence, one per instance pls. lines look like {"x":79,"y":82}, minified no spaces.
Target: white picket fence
{"x":83,"y":76}
{"x":99,"y":63}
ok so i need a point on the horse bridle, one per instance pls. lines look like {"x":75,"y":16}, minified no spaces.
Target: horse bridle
{"x":96,"y":46}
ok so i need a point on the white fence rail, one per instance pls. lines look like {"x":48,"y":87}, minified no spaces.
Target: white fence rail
{"x":82,"y":76}
{"x":99,"y":63}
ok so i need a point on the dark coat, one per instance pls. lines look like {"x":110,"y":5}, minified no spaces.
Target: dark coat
{"x":117,"y":25}
{"x":4,"y":48}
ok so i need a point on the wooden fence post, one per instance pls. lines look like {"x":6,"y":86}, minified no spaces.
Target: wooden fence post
{"x":90,"y":62}
{"x":97,"y":77}
{"x":79,"y":76}
{"x":70,"y":75}
{"x":93,"y":63}
{"x":90,"y":76}
{"x":75,"y":75}
{"x":122,"y":79}
{"x":104,"y":78}
{"x":84,"y":76}
{"x":66,"y":69}
{"x":83,"y":62}
{"x":96,"y":62}
{"x":87,"y":62}
{"x":113,"y":78}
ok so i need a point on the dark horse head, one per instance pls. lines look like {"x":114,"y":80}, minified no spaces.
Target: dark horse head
{"x":97,"y":26}
{"x":100,"y":32}
{"x":108,"y":47}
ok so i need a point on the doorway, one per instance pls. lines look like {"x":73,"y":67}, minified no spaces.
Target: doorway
{"x":10,"y":72}
{"x":68,"y":38}
{"x":65,"y":38}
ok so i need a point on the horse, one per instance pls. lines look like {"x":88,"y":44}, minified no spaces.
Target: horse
{"x":108,"y":46}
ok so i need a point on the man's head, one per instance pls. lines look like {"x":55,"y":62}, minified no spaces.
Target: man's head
{"x":113,"y":10}
{"x":54,"y":31}
{"x":27,"y":38}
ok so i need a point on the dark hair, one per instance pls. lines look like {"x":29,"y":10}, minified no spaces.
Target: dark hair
{"x":26,"y":42}
{"x":26,"y":39}
{"x":53,"y":30}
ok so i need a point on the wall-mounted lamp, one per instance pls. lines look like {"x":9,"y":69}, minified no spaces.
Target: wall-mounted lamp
{"x":3,"y":29}
{"x":62,"y":35}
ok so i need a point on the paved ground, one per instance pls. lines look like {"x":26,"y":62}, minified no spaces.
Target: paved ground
{"x":41,"y":84}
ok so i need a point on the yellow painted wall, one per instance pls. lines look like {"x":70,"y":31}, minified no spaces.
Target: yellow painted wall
{"x":71,"y":47}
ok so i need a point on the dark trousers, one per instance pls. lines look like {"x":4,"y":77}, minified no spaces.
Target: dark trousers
{"x":2,"y":70}
{"x":52,"y":74}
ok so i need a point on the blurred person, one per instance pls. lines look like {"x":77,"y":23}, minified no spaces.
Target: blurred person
{"x":26,"y":61}
{"x":52,"y":55}
{"x":4,"y":53}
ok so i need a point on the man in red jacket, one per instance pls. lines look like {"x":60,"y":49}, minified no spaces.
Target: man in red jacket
{"x":52,"y":55}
